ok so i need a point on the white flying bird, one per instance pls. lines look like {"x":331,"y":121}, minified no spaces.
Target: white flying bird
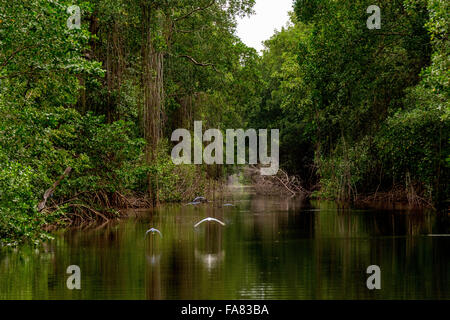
{"x":209,"y":219}
{"x":153,"y":230}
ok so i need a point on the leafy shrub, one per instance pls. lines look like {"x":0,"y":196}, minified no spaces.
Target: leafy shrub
{"x":345,"y":172}
{"x":18,"y":216}
{"x":176,"y":182}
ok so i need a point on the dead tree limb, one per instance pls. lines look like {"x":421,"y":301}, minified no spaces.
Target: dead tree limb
{"x":50,"y":191}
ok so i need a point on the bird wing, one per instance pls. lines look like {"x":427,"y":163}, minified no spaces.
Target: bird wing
{"x":199,"y":223}
{"x":154,"y":230}
{"x":218,"y":221}
{"x":209,"y":219}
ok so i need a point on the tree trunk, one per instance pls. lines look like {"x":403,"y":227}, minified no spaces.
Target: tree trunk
{"x":153,"y":91}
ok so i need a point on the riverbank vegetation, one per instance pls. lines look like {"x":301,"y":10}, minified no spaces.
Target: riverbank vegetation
{"x":87,"y":114}
{"x":101,"y":101}
{"x":363,"y":114}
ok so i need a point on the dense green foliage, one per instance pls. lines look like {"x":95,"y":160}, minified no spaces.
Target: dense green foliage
{"x":77,"y":98}
{"x":362,"y":110}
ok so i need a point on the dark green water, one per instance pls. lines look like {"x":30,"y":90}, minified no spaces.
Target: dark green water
{"x":270,"y":248}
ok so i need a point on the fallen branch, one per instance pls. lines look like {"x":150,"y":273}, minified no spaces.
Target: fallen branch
{"x":279,"y":183}
{"x":284,"y":184}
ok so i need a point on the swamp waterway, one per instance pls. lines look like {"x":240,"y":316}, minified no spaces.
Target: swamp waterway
{"x":270,"y":248}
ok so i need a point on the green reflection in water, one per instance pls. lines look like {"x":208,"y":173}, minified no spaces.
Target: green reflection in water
{"x":271,"y":248}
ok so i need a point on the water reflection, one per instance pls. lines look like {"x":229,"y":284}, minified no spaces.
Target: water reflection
{"x":270,"y":248}
{"x":208,"y":246}
{"x":152,"y":281}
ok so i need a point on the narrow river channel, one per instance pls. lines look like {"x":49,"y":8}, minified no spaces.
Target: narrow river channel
{"x":270,"y":248}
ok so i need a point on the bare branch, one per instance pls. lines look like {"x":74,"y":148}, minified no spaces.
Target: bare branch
{"x":194,"y":11}
{"x":201,"y":64}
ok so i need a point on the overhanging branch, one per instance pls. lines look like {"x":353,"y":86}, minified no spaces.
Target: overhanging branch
{"x":195,"y":10}
{"x":201,"y":64}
